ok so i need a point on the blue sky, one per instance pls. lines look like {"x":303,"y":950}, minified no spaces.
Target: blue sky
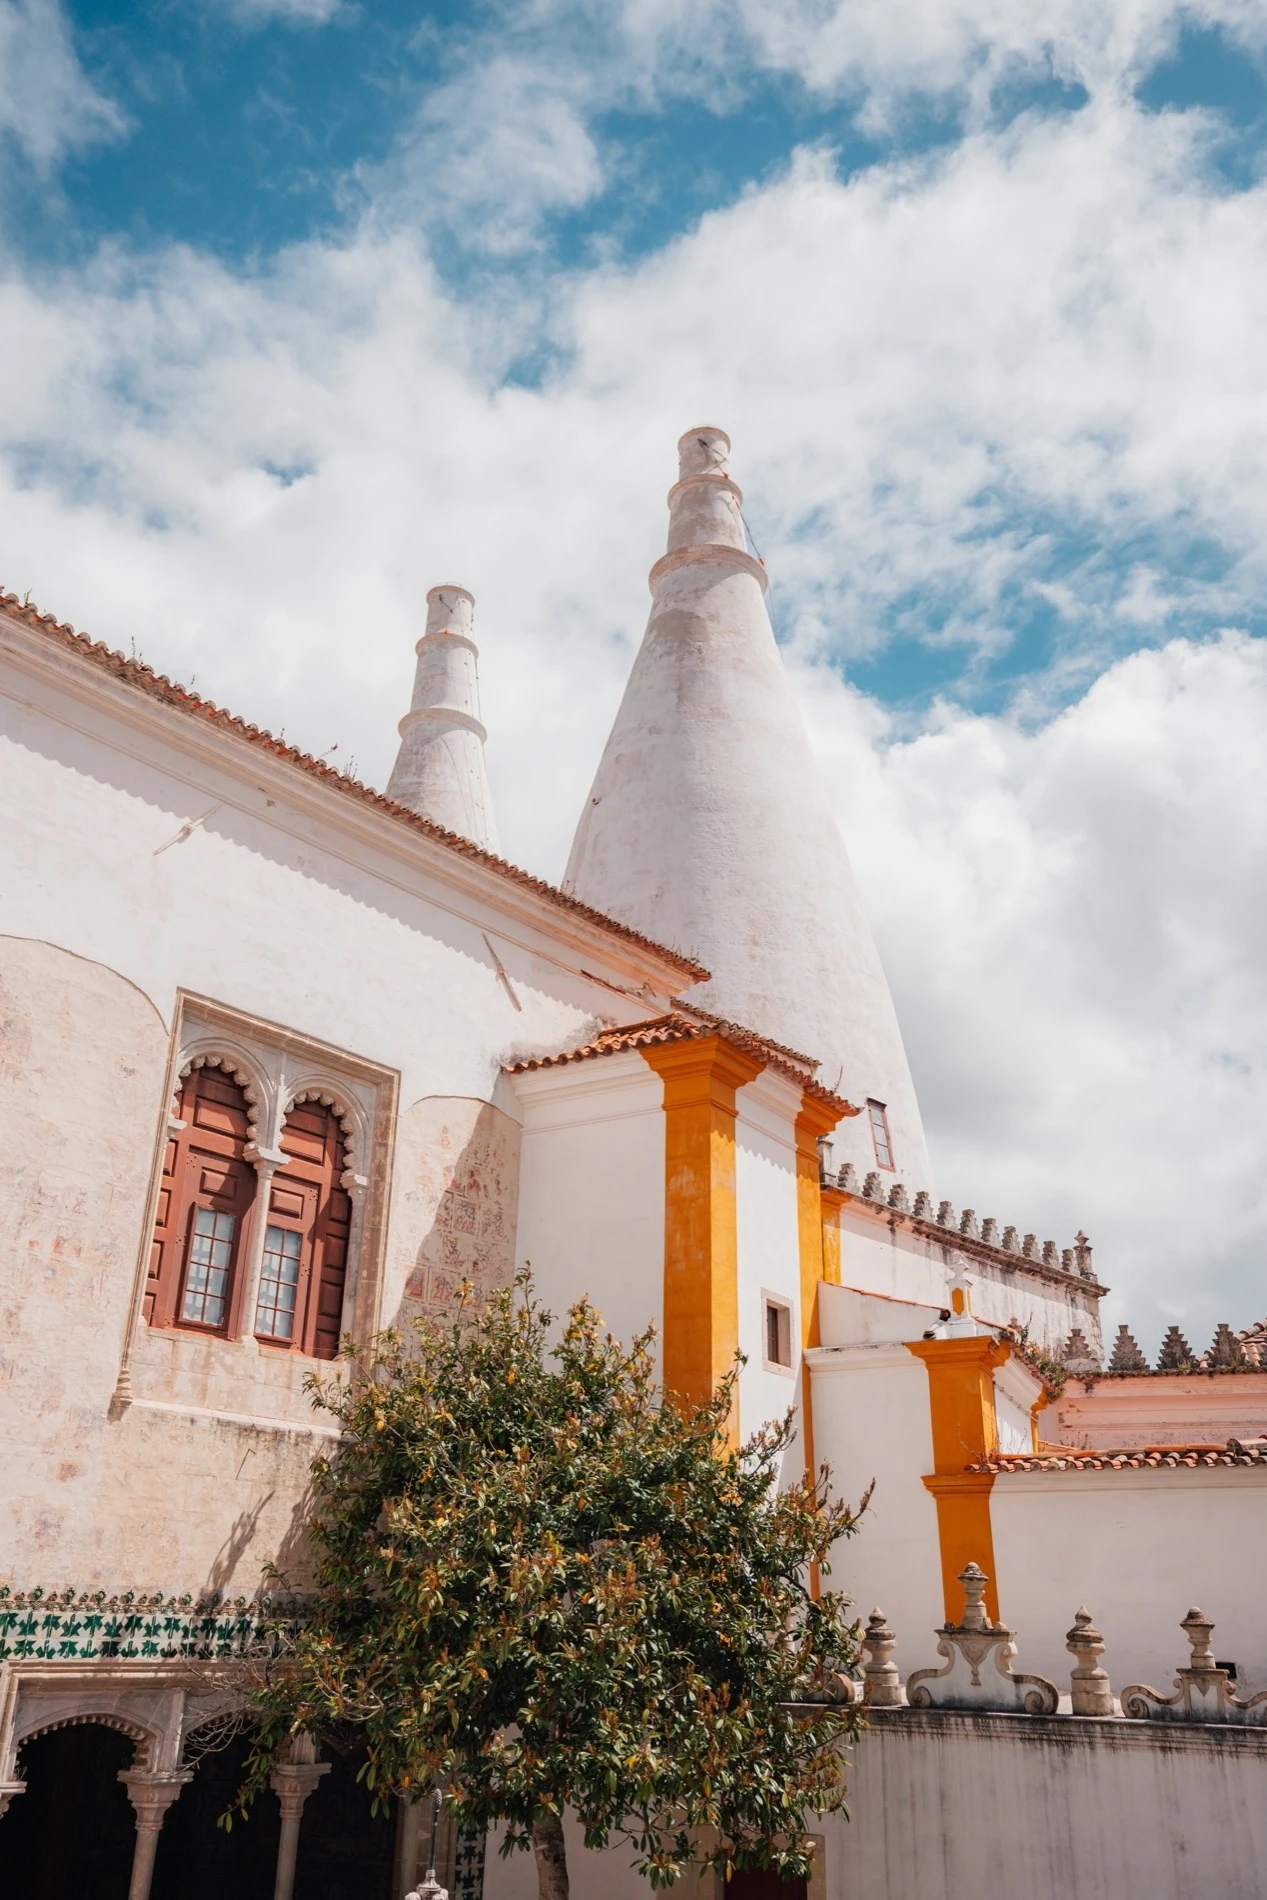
{"x":243,"y":131}
{"x":306,"y":306}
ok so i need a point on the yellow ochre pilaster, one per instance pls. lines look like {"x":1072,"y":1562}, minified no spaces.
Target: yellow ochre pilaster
{"x":701,"y":1229}
{"x":816,"y":1118}
{"x":965,"y":1431}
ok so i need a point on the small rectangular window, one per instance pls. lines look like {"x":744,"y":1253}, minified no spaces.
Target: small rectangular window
{"x":279,"y":1283}
{"x":778,"y":1333}
{"x":207,"y":1277}
{"x":880,"y":1134}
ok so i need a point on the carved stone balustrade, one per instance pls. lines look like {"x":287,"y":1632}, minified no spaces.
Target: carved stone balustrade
{"x":972,"y":1647}
{"x":1203,"y":1691}
{"x":1090,"y":1692}
{"x":881,"y":1683}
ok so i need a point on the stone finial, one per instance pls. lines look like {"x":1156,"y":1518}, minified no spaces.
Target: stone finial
{"x":968,"y":1224}
{"x":1226,"y":1352}
{"x":1029,"y":1247}
{"x":1082,"y":1255}
{"x":848,"y":1180}
{"x":968,"y":1646}
{"x":881,"y":1683}
{"x":824,"y":1145}
{"x":899,"y":1200}
{"x":1089,"y":1688}
{"x":1066,"y":1260}
{"x":872,"y":1187}
{"x":1127,"y":1356}
{"x":945,"y":1214}
{"x":990,"y":1231}
{"x":923,"y":1209}
{"x":1076,"y":1354}
{"x":1008,"y":1242}
{"x":1051,"y":1254}
{"x":1176,"y":1354}
{"x":1203,"y":1691}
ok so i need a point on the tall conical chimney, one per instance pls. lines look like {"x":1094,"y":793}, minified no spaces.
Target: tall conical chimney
{"x":439,"y":770}
{"x":709,"y":827}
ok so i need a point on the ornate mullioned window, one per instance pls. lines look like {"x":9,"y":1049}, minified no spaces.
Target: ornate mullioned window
{"x":249,"y":1239}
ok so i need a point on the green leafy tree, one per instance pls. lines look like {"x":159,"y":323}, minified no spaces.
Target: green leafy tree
{"x":542,"y":1586}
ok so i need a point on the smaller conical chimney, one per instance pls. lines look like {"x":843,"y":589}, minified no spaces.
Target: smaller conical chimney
{"x":439,"y":770}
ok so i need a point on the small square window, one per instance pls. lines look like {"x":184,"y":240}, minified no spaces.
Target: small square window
{"x":880,"y":1134}
{"x":778,"y":1333}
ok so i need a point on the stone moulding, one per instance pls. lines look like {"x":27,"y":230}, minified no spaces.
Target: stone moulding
{"x":970,"y":1647}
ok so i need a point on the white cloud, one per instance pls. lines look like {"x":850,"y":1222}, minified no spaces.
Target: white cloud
{"x":927,"y":374}
{"x":48,"y":105}
{"x":1074,"y":921}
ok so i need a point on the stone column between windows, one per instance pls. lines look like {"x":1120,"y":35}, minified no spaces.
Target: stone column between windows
{"x":292,"y":1782}
{"x":266,"y":1162}
{"x":151,"y":1795}
{"x":354,"y":1186}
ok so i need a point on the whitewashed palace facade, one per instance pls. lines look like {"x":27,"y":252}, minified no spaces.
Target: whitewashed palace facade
{"x":284,"y":1059}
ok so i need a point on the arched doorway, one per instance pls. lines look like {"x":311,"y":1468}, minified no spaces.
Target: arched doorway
{"x":199,"y":1860}
{"x":71,"y":1835}
{"x":345,"y":1851}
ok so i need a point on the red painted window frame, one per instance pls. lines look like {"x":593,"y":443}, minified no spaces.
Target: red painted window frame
{"x":213,"y":1109}
{"x":313,"y":1141}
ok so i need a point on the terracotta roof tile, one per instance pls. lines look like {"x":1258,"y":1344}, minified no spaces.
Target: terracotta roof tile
{"x":1147,"y":1458}
{"x":136,"y":674}
{"x":692,"y":1027}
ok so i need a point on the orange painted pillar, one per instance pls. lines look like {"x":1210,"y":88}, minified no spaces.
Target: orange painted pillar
{"x":965,"y":1431}
{"x":701,"y":1231}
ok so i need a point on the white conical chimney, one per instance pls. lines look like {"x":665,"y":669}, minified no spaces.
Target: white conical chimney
{"x":709,"y":828}
{"x":439,"y":770}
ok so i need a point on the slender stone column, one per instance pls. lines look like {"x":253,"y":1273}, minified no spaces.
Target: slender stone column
{"x":151,"y":1795}
{"x":292,"y":1782}
{"x":266,"y":1162}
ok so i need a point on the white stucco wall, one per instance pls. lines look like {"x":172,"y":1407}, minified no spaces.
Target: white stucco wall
{"x":1015,"y":1808}
{"x":141,"y":853}
{"x":591,"y":1206}
{"x":882,"y":1254}
{"x":1137,"y":1548}
{"x":871,"y":1422}
{"x":769,"y":1248}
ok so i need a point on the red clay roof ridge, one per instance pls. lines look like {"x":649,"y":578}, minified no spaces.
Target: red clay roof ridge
{"x":689,"y":1025}
{"x":138,"y":674}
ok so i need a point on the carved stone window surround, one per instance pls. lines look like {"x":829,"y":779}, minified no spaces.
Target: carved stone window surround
{"x":277,"y":1068}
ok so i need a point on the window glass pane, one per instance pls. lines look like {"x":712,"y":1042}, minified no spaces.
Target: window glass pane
{"x":880,"y":1134}
{"x":279,"y":1282}
{"x":207,"y":1276}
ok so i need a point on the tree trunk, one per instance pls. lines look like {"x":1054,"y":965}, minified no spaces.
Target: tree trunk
{"x":551,"y":1857}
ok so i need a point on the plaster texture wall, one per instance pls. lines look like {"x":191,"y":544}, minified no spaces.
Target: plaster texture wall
{"x":454,"y":1205}
{"x":1001,"y":1807}
{"x":707,"y":820}
{"x":871,"y":1422}
{"x":591,"y":1201}
{"x":155,"y":1499}
{"x":1137,"y":1548}
{"x":1198,"y":1408}
{"x":769,"y":1251}
{"x":143,"y":854}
